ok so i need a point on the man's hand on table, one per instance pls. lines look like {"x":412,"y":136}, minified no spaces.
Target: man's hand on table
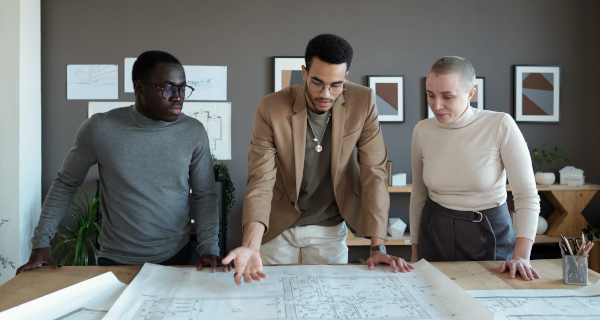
{"x":213,"y":261}
{"x":40,"y":255}
{"x":396,"y":263}
{"x":522,"y":265}
{"x":247,"y":263}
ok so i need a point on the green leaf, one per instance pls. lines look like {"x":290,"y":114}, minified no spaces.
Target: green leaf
{"x":589,"y":237}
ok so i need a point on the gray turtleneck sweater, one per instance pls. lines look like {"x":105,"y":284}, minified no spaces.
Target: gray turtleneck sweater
{"x":145,"y":195}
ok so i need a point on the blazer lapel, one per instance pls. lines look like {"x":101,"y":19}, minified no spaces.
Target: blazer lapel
{"x":299,"y":136}
{"x":338,"y":115}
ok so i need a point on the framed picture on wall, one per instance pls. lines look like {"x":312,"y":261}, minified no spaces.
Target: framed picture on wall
{"x":537,"y":93}
{"x":288,"y":72}
{"x":389,"y":97}
{"x":478,"y":100}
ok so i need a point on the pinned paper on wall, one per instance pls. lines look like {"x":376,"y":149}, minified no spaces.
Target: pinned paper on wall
{"x":127,"y":79}
{"x":92,"y":81}
{"x":209,"y":82}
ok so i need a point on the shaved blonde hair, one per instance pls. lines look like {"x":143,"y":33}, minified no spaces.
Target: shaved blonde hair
{"x":457,"y":65}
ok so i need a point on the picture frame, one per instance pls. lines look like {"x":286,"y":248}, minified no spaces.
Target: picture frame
{"x":537,"y":93}
{"x":389,"y":97}
{"x":287,"y":71}
{"x":478,"y":100}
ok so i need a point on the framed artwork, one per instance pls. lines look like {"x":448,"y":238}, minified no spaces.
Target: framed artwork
{"x":288,"y":72}
{"x":478,"y":100}
{"x":537,"y":93}
{"x":389,"y":96}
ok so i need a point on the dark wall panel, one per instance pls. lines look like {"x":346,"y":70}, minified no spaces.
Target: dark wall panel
{"x":389,"y":37}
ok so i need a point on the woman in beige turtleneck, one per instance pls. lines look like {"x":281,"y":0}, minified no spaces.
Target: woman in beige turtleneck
{"x":460,"y":162}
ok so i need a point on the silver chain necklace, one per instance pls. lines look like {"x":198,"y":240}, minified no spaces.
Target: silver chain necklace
{"x":318,"y":148}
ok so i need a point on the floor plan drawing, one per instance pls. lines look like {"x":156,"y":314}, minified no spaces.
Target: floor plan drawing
{"x":296,"y":292}
{"x":580,"y":304}
{"x":216,"y":118}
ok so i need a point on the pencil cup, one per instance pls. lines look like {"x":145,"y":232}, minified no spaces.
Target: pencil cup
{"x":575,"y":269}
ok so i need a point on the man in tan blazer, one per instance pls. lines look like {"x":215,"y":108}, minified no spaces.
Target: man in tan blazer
{"x":316,"y":161}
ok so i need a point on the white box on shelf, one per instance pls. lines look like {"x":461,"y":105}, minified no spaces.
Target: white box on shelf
{"x":573,"y":181}
{"x":396,"y":227}
{"x":399,"y":180}
{"x":570,"y":172}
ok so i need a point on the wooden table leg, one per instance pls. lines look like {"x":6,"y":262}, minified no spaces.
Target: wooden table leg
{"x":566,"y":218}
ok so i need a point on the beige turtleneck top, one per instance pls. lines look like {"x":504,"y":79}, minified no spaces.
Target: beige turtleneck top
{"x":463,"y":166}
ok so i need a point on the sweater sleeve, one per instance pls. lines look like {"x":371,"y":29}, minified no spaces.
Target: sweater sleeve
{"x":205,"y":209}
{"x":69,"y":177}
{"x":516,"y":160}
{"x":419,"y":194}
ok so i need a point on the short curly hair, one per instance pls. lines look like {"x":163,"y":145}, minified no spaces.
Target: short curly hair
{"x":328,"y":48}
{"x":147,"y":61}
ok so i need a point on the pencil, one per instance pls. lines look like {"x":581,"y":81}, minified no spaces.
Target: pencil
{"x":569,"y":247}
{"x":585,"y":253}
{"x":561,"y":249}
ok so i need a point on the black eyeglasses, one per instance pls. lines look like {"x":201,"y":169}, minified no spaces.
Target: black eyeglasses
{"x":169,"y":91}
{"x":318,"y":87}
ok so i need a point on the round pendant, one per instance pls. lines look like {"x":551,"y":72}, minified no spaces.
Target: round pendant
{"x":319,"y":148}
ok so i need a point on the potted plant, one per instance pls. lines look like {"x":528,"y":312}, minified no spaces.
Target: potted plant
{"x":222,"y":172}
{"x":3,"y":260}
{"x":72,"y":247}
{"x":544,"y":158}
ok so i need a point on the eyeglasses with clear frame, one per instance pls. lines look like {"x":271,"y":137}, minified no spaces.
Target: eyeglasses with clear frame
{"x":319,"y":87}
{"x":169,"y":91}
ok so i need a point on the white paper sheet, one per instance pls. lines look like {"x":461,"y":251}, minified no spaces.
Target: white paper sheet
{"x":127,"y":82}
{"x":92,"y":81}
{"x":87,"y":300}
{"x":296,"y":292}
{"x":209,"y":82}
{"x":559,"y":304}
{"x":215,"y":116}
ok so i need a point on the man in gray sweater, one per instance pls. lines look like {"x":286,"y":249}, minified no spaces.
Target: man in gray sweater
{"x":149,"y":156}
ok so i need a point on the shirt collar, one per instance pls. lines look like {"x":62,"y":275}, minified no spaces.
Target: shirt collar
{"x":464,"y":120}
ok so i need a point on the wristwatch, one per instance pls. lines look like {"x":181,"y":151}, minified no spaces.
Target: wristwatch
{"x":378,"y":247}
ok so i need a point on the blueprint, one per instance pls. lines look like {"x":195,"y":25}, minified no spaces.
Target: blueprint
{"x":215,"y":116}
{"x":582,"y":304}
{"x":87,"y":300}
{"x":92,"y":81}
{"x":296,"y":292}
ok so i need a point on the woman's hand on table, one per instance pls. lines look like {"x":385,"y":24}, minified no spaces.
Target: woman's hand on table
{"x":522,"y":265}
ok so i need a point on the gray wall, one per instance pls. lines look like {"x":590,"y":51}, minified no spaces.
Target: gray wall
{"x":389,"y":37}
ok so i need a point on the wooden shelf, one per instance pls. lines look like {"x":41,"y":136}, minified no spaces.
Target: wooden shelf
{"x":404,"y":240}
{"x":552,"y":187}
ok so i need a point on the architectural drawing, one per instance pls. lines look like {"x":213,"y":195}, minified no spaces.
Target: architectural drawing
{"x":84,"y":314}
{"x":297,"y":292}
{"x":215,"y":116}
{"x":209,"y":82}
{"x":92,"y":81}
{"x":580,"y":304}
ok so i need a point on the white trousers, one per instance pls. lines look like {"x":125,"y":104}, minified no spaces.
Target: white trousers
{"x":308,"y":244}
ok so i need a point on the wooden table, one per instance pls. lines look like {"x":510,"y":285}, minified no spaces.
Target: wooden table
{"x":568,"y":202}
{"x":473,"y":275}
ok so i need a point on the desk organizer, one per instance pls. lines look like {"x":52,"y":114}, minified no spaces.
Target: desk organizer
{"x":575,"y":269}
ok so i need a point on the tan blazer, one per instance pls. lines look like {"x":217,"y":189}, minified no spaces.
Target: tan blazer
{"x":276,"y":161}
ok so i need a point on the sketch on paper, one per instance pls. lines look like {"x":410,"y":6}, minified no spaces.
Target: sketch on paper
{"x":92,"y":81}
{"x":209,"y":82}
{"x":215,"y":116}
{"x":582,"y":304}
{"x":84,"y":314}
{"x":297,"y":292}
{"x":127,"y":79}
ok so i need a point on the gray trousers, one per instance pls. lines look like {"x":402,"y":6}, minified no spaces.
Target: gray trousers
{"x":451,"y":235}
